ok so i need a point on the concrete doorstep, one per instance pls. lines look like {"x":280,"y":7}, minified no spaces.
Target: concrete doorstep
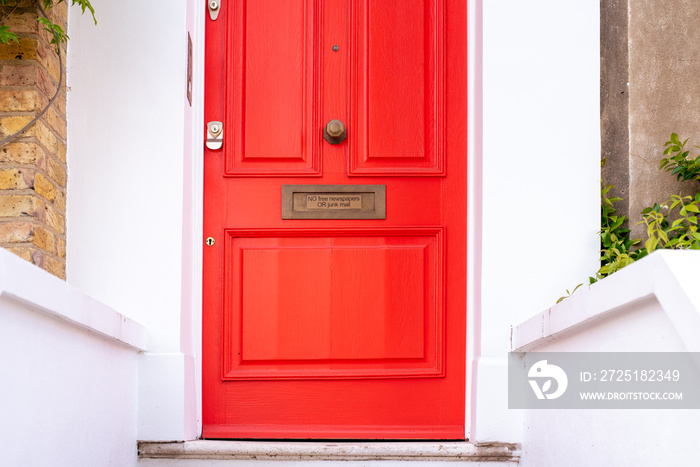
{"x":331,"y":451}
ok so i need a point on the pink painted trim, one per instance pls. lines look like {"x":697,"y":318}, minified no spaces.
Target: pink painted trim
{"x":477,"y":201}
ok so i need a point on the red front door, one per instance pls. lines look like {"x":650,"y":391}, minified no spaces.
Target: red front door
{"x":334,"y":290}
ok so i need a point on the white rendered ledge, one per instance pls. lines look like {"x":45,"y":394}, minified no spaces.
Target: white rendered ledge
{"x":38,"y":290}
{"x":331,"y":451}
{"x":671,"y":277}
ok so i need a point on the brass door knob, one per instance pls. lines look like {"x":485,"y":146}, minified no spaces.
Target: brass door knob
{"x":334,"y":132}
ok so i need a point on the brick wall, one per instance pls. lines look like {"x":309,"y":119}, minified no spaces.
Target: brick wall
{"x":33,"y":166}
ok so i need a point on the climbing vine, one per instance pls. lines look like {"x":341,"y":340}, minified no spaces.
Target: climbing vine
{"x":58,"y":35}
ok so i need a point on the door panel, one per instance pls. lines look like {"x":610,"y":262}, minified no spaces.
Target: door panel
{"x":344,"y":328}
{"x":333,"y":304}
{"x":398,"y":113}
{"x":275,"y":62}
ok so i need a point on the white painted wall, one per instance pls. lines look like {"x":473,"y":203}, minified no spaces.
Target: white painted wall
{"x":540,"y":184}
{"x":650,"y":306}
{"x":541,"y":159}
{"x":69,"y":373}
{"x":130,"y":240}
{"x":68,"y":398}
{"x":126,"y":81}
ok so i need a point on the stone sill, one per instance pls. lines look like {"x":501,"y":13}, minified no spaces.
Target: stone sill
{"x":40,"y":291}
{"x":331,"y":451}
{"x":669,"y":276}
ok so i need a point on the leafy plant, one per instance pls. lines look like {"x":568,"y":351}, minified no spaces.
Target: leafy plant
{"x":672,"y":225}
{"x":58,"y":35}
{"x":679,"y":162}
{"x":615,"y":242}
{"x":682,"y":233}
{"x":6,"y":35}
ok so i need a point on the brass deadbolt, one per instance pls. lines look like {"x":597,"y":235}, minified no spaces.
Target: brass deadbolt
{"x":334,"y":132}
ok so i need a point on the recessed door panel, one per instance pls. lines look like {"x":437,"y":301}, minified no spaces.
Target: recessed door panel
{"x":398,"y":94}
{"x":272,"y":90}
{"x":334,"y":304}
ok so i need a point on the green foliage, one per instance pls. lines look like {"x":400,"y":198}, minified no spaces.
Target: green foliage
{"x":569,"y":294}
{"x":678,"y":160}
{"x":615,"y":242}
{"x":58,"y":35}
{"x":682,"y":233}
{"x":6,"y":35}
{"x":672,"y":225}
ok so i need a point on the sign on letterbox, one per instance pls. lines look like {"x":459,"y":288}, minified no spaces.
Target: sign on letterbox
{"x":333,"y":201}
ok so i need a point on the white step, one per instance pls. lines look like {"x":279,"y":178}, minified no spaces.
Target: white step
{"x":202,"y":453}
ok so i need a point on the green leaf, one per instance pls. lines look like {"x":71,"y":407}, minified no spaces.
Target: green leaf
{"x":650,"y":244}
{"x":676,"y":223}
{"x":56,"y":32}
{"x":86,"y":4}
{"x":6,"y":35}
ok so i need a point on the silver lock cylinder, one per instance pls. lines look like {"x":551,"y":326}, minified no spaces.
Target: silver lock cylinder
{"x":215,"y":135}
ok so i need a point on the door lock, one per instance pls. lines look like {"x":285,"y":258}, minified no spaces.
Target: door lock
{"x":334,"y":132}
{"x":215,"y":135}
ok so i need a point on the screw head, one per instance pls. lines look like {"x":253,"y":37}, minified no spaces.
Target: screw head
{"x":335,"y":48}
{"x":215,"y":129}
{"x":214,"y":5}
